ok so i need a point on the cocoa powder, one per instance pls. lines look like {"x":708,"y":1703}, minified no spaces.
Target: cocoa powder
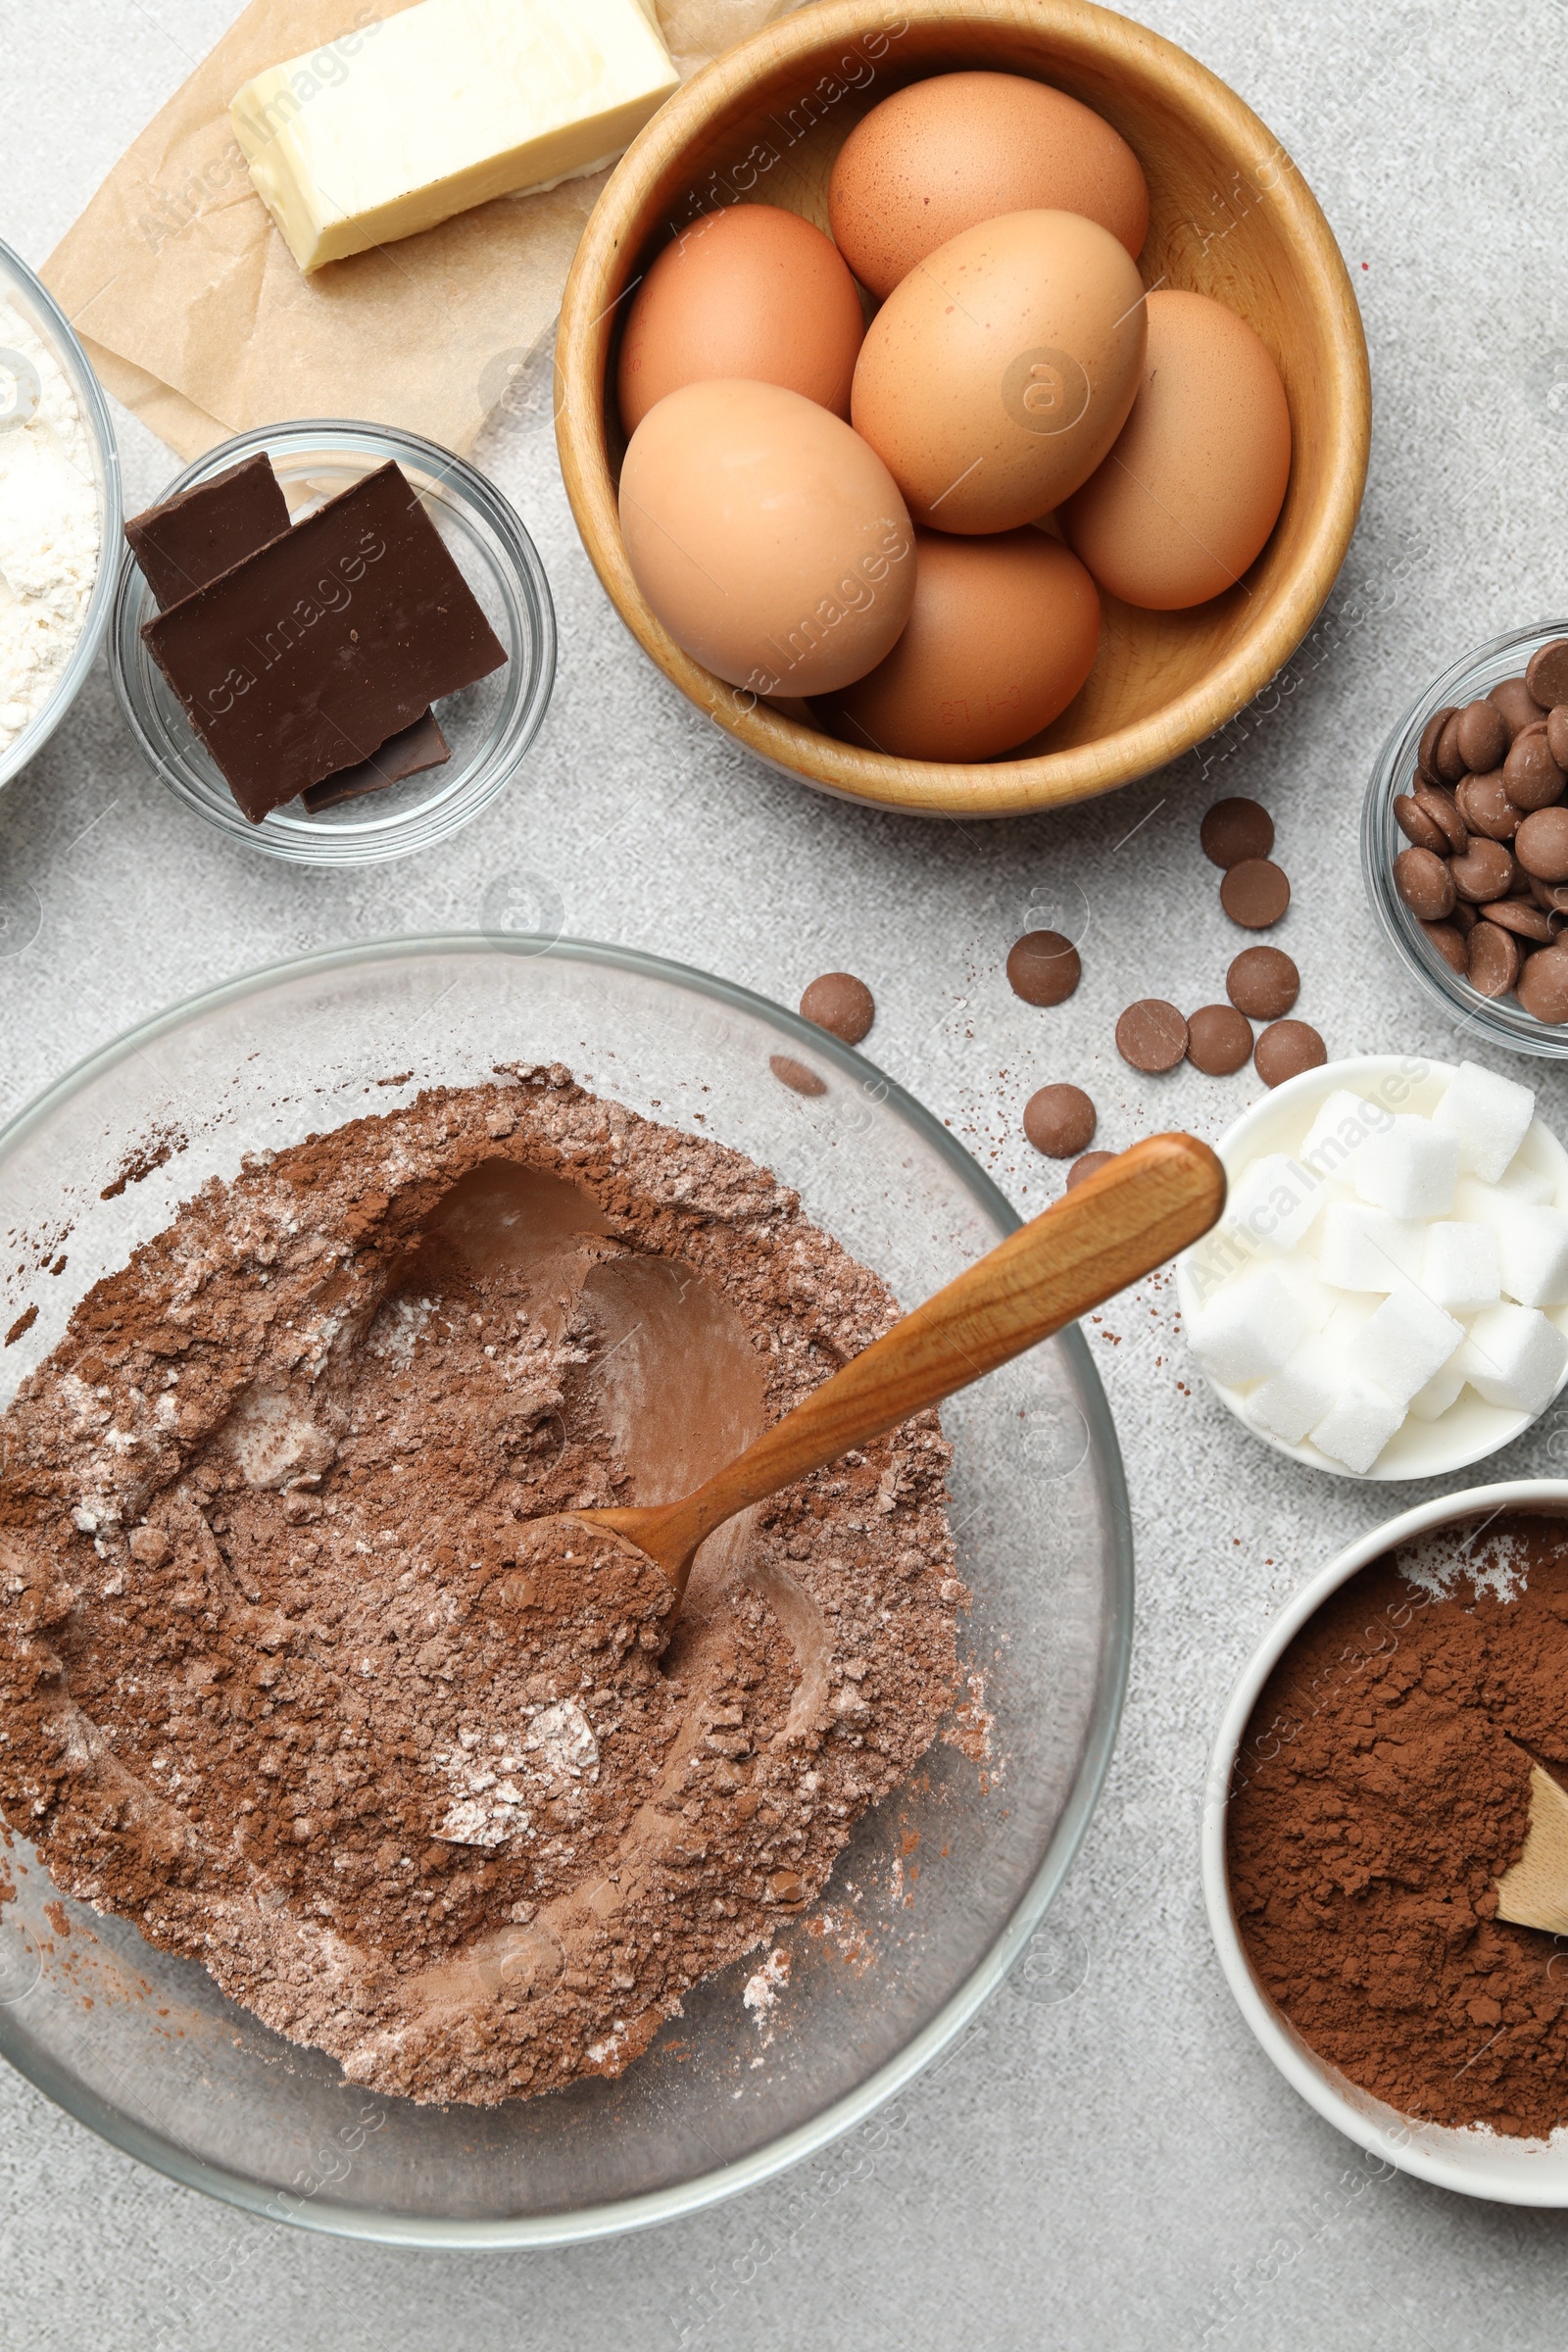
{"x":1381,"y":1789}
{"x":290,"y":1675}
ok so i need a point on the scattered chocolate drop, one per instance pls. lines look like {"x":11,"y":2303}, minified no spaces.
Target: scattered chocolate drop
{"x":840,"y":1003}
{"x":1219,"y":1042}
{"x":1255,"y":894}
{"x":1234,"y":830}
{"x":1090,"y":1165}
{"x":1044,"y":968}
{"x":1286,"y":1049}
{"x":1060,"y":1121}
{"x":795,"y":1075}
{"x":1152,"y":1035}
{"x":1263,"y":983}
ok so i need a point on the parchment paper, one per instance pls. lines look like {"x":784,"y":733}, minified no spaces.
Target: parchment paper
{"x":196,"y":316}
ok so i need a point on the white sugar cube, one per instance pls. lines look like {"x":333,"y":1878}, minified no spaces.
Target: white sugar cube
{"x":1532,"y":1245}
{"x":1459,"y":1268}
{"x":1315,"y":1299}
{"x":1301,"y":1393}
{"x":1357,"y":1425}
{"x":1513,"y":1357}
{"x":1275,"y":1200}
{"x":1367,"y":1250}
{"x":1519,"y":1183}
{"x":1352,"y":1312}
{"x":1337,"y":1134}
{"x":1411,"y":1170}
{"x":1248,"y":1330}
{"x":1489,"y":1116}
{"x":1442,"y":1390}
{"x":1404,"y":1343}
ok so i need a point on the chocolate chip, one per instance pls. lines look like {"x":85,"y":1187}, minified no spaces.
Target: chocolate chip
{"x":1286,"y":1049}
{"x":1043,"y":967}
{"x":1557,"y":735}
{"x":1255,"y":894}
{"x":1218,"y":1039}
{"x":1263,"y":983}
{"x":1493,"y":962}
{"x":1432,"y":736}
{"x":1547,"y":674}
{"x":1543,"y":985}
{"x":1463,"y":915}
{"x":1483,"y":804}
{"x":1522,"y":916}
{"x":1486,"y":870}
{"x":1060,"y":1121}
{"x":1425,"y":883}
{"x":1418,"y":828}
{"x":1482,"y":734}
{"x":1554,"y":896}
{"x":840,"y":1003}
{"x":1449,"y":944}
{"x":1542,"y":845}
{"x":795,"y":1075}
{"x":1532,"y":774}
{"x":1519,"y":706}
{"x":1090,"y":1165}
{"x":1439,"y":805}
{"x":1152,"y":1035}
{"x":1449,"y":759}
{"x":1232,"y":830}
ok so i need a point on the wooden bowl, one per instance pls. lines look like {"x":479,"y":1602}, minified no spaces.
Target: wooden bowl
{"x":1229,"y":216}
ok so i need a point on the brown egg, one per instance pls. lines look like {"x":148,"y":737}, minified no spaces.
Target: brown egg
{"x":946,"y":154}
{"x":997,"y":376}
{"x":1195,"y":484}
{"x":753,"y":291}
{"x":770,"y":540}
{"x":1003,"y":632}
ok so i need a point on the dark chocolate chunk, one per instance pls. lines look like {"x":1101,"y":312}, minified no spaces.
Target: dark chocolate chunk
{"x":192,"y":539}
{"x":407,"y":754}
{"x":309,"y":656}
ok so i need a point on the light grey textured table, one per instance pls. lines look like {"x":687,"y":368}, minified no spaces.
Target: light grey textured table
{"x":1119,"y":2165}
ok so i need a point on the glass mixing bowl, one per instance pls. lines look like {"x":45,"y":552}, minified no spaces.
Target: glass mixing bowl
{"x":23,"y":292}
{"x":489,"y":725}
{"x":144,"y":2049}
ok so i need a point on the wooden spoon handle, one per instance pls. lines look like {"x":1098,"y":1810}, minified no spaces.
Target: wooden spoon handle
{"x":1129,"y":1218}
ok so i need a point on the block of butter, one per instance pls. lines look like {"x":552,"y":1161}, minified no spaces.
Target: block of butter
{"x":428,"y":113}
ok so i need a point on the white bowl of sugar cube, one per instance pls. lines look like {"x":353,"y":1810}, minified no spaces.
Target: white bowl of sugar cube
{"x":1386,"y":1296}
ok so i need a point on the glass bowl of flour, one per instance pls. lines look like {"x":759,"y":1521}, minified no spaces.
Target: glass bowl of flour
{"x":60,"y":511}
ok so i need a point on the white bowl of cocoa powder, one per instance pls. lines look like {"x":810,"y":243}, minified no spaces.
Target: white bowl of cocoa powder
{"x":1368,"y":1782}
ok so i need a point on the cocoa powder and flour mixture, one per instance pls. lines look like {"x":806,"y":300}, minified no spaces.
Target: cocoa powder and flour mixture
{"x":286,"y":1675}
{"x":1382,"y":1788}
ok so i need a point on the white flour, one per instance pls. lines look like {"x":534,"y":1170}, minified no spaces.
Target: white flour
{"x":49,"y":527}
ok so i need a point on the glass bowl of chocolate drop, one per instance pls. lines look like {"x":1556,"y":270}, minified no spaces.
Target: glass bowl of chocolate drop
{"x":1464,"y":841}
{"x":370,"y":1860}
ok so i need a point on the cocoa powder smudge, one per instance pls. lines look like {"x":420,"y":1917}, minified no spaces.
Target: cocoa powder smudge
{"x":287,"y":1676}
{"x":1382,"y":1788}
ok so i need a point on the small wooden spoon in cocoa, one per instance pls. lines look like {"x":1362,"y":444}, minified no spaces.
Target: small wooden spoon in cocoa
{"x":1118,"y":1224}
{"x":1533,"y":1893}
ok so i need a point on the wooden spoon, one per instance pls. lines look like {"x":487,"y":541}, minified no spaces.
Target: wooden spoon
{"x":1533,"y":1893}
{"x":1119,"y":1224}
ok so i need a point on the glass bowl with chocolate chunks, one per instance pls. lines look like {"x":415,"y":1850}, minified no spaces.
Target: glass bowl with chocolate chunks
{"x":335,"y":641}
{"x":1464,"y":841}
